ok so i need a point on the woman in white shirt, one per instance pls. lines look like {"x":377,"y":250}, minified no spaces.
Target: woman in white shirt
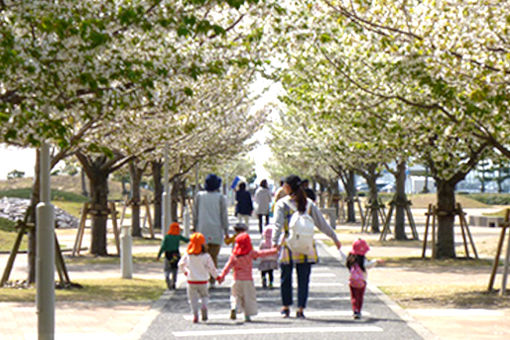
{"x":262,"y":200}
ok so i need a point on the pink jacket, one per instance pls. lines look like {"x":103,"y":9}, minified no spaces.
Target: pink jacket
{"x":243,"y":265}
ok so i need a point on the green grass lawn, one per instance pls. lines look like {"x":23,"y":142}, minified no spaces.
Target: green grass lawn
{"x":8,"y":235}
{"x":102,"y":290}
{"x":73,"y":208}
{"x":460,"y":295}
{"x":86,"y":260}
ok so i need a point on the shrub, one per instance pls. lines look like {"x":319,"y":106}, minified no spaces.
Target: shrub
{"x":7,"y":225}
{"x":491,"y":199}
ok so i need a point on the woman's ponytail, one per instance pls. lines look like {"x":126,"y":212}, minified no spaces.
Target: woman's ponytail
{"x":297,"y":191}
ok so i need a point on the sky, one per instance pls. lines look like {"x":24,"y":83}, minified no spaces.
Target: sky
{"x":13,"y":158}
{"x":262,"y":152}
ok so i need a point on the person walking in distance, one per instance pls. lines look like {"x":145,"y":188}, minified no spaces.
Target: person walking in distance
{"x":210,"y":217}
{"x":296,"y":204}
{"x":262,"y":200}
{"x":244,"y":204}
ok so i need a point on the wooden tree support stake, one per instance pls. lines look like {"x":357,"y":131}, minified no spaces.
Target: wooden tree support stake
{"x":433,"y":212}
{"x":85,"y":211}
{"x":379,"y":207}
{"x":116,"y":232}
{"x":410,"y":219}
{"x":147,"y":217}
{"x":342,"y":216}
{"x":12,"y":256}
{"x":60,"y":265}
{"x":504,"y":226}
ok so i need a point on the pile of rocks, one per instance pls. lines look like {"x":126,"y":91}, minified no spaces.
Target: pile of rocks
{"x":14,"y":209}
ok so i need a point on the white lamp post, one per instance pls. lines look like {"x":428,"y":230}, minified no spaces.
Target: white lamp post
{"x":166,"y":195}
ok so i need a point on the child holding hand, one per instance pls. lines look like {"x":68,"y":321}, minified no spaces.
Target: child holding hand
{"x":197,"y":265}
{"x":241,"y":261}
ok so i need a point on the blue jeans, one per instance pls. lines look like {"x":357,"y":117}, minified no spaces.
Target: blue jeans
{"x":303,"y":276}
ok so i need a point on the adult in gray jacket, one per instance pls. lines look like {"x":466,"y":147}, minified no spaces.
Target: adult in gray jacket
{"x":210,"y":216}
{"x":262,"y":200}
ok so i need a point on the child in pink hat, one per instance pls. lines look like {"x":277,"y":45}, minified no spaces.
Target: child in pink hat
{"x":267,"y":264}
{"x":357,"y":264}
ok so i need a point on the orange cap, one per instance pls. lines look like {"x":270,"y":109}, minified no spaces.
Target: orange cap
{"x":196,"y":243}
{"x":174,"y":229}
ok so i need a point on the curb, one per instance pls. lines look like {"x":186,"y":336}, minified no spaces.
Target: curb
{"x":143,"y":324}
{"x":401,"y":313}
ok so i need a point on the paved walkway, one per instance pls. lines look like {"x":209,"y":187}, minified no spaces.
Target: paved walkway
{"x":85,"y":320}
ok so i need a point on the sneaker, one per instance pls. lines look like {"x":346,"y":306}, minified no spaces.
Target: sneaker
{"x":270,"y":285}
{"x":247,"y":318}
{"x":356,"y":315}
{"x":195,"y":318}
{"x":204,"y":314}
{"x":233,"y":314}
{"x":285,"y":313}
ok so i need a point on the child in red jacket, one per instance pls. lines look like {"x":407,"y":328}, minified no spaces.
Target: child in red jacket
{"x":243,"y":290}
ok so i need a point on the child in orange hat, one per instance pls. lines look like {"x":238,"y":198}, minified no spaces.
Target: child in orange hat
{"x":197,"y":265}
{"x":357,"y":264}
{"x":170,"y":245}
{"x":243,"y":290}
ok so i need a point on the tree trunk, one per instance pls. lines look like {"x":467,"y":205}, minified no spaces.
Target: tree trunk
{"x":445,"y":246}
{"x":175,"y":190}
{"x":425,"y":189}
{"x":84,"y":191}
{"x":321,"y":195}
{"x":183,"y":197}
{"x":400,"y":201}
{"x":135,"y":175}
{"x":350,"y":190}
{"x":158,"y":192}
{"x":374,"y":202}
{"x":125,"y":191}
{"x":98,"y":182}
{"x":335,"y":195}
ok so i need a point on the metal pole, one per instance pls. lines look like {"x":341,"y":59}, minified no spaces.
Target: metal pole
{"x":186,"y":222}
{"x":126,"y":258}
{"x":166,"y":195}
{"x":45,"y":253}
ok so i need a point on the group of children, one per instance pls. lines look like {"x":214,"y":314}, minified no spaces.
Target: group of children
{"x":197,"y":265}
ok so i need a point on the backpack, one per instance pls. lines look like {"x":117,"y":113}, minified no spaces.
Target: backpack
{"x":357,"y":279}
{"x":301,"y":229}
